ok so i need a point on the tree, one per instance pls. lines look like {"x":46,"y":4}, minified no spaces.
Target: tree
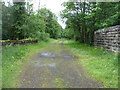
{"x":86,"y":17}
{"x":19,"y":19}
{"x":20,"y":22}
{"x":52,"y":26}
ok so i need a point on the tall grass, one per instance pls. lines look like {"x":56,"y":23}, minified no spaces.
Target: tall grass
{"x":13,"y":58}
{"x":100,"y":64}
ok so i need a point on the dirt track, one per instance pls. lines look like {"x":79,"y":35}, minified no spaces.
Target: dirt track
{"x":55,"y":67}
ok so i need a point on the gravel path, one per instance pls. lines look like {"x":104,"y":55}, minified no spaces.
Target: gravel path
{"x":55,"y":67}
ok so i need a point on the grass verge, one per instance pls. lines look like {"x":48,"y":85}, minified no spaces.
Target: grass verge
{"x":13,"y":58}
{"x":100,"y":64}
{"x":60,"y":83}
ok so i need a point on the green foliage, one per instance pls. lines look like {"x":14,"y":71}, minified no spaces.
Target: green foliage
{"x":12,"y":58}
{"x":100,"y":64}
{"x":83,"y":18}
{"x":6,"y":17}
{"x":20,"y":22}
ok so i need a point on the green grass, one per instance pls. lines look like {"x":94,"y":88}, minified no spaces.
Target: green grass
{"x":60,"y":83}
{"x":13,"y":58}
{"x":100,"y":64}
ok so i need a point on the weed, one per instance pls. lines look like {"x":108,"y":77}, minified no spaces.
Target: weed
{"x":60,"y":83}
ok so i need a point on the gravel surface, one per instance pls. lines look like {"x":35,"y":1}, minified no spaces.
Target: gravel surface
{"x":55,"y":67}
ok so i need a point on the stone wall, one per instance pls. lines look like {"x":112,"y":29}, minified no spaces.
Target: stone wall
{"x":14,"y":42}
{"x":108,"y":38}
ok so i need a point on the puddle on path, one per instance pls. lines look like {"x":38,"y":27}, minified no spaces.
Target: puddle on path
{"x":46,"y":54}
{"x":68,"y":56}
{"x":53,"y":65}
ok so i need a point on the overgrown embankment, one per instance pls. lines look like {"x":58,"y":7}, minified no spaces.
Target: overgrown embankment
{"x":100,"y":64}
{"x":13,"y":58}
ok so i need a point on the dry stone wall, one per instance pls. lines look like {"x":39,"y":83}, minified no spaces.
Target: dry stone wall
{"x":108,"y":38}
{"x":14,"y":42}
